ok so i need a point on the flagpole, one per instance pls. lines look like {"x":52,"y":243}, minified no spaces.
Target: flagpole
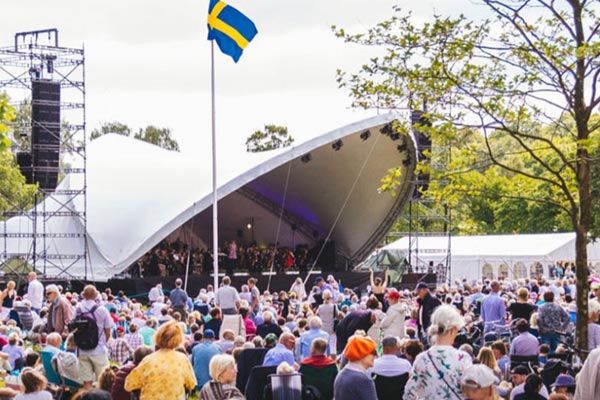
{"x":214,"y":170}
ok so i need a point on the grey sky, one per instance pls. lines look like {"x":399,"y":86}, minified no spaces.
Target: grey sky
{"x":147,"y":61}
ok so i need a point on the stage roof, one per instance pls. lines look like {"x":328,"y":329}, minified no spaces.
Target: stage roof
{"x":139,"y":194}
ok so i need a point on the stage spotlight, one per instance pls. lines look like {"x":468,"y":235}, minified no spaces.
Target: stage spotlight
{"x":387,"y":129}
{"x":50,"y":63}
{"x":402,"y":147}
{"x":337,"y":145}
{"x":306,"y":158}
{"x":407,"y":161}
{"x":365,"y":135}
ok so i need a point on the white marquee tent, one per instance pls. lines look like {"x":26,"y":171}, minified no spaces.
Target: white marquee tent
{"x":477,"y":257}
{"x":138,"y":194}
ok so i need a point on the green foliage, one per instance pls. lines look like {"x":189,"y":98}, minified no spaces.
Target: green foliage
{"x":6,"y":114}
{"x":527,"y":82}
{"x":161,"y":137}
{"x":14,"y":193}
{"x":271,"y":138}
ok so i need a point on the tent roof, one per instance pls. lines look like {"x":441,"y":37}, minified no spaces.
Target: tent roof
{"x":466,"y":250}
{"x":138,"y":194}
{"x":532,"y":245}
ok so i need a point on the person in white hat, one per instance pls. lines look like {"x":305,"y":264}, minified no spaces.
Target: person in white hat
{"x":478,"y":383}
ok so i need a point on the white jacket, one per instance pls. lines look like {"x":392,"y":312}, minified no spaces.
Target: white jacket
{"x":588,"y":379}
{"x":394,"y":321}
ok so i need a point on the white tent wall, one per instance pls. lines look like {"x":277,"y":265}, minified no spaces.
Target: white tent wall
{"x":477,"y":257}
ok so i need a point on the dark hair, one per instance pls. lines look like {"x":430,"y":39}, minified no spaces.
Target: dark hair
{"x":548,"y":296}
{"x":31,"y":359}
{"x":372,"y":303}
{"x":522,"y":326}
{"x":244,"y":312}
{"x":198,"y":336}
{"x":500,"y":346}
{"x":33,"y":381}
{"x":140,"y":353}
{"x":215,"y":312}
{"x":532,"y":384}
{"x":412,"y":348}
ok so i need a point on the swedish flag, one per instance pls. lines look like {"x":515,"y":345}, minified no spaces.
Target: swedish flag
{"x":230,"y":28}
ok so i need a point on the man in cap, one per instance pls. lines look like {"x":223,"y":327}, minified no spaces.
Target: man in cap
{"x":201,"y":356}
{"x":118,"y":349}
{"x":427,"y":304}
{"x":518,"y":376}
{"x":60,"y":312}
{"x":478,"y":382}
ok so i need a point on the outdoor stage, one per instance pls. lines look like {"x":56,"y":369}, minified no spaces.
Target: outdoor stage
{"x":134,"y":287}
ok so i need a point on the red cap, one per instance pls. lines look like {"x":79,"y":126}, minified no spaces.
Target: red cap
{"x":120,"y":329}
{"x":393,"y":295}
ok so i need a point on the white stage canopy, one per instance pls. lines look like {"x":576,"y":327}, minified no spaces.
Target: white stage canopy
{"x":490,"y":256}
{"x":139,"y":194}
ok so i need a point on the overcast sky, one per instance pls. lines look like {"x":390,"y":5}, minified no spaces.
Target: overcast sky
{"x":147,"y":61}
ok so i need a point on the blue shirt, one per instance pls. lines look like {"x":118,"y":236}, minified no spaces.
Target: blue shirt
{"x":493,"y":310}
{"x":307,"y":338}
{"x":277,"y":355}
{"x":200,"y":358}
{"x":524,"y":345}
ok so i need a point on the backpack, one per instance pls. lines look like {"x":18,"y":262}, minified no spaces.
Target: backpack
{"x":85,"y":329}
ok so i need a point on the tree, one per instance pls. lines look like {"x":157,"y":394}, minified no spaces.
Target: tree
{"x":273,"y":137}
{"x":536,"y":63}
{"x":158,"y":136}
{"x":14,"y":193}
{"x":6,"y":114}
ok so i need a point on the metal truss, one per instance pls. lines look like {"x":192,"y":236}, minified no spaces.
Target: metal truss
{"x":38,"y":55}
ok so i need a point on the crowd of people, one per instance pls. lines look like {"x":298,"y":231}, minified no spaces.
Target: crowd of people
{"x":327,"y":341}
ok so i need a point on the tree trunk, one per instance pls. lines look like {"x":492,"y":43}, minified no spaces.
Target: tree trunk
{"x":582,"y":274}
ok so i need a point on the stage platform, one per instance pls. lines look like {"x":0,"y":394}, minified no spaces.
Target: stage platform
{"x":139,"y":287}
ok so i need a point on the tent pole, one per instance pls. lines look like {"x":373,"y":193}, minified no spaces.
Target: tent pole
{"x":214,"y":170}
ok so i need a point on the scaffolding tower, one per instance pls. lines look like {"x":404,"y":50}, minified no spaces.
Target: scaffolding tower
{"x":423,"y":216}
{"x":36,"y":56}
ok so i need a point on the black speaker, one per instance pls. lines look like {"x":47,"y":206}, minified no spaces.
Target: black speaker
{"x":419,"y":121}
{"x":327,"y":259}
{"x":25,"y":166}
{"x":45,"y":132}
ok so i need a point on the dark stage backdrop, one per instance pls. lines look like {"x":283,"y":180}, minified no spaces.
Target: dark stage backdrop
{"x":139,"y":287}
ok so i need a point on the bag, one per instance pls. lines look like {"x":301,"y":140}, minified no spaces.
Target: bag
{"x":85,"y":329}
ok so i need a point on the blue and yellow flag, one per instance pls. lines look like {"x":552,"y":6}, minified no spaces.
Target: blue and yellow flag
{"x":230,"y":28}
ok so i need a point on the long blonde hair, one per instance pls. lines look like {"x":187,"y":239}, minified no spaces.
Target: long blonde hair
{"x":486,"y":357}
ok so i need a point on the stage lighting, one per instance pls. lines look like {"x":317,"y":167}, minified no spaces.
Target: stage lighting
{"x":50,"y":63}
{"x":306,"y":158}
{"x":387,"y":129}
{"x":365,"y":135}
{"x":402,"y":147}
{"x":337,"y":145}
